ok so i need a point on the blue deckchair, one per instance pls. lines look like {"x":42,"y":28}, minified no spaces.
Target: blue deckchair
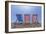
{"x":19,"y":18}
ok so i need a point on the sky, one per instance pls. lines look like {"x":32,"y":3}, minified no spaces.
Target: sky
{"x":21,"y":9}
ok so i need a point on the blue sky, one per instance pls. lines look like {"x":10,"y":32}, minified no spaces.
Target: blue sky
{"x":19,"y":9}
